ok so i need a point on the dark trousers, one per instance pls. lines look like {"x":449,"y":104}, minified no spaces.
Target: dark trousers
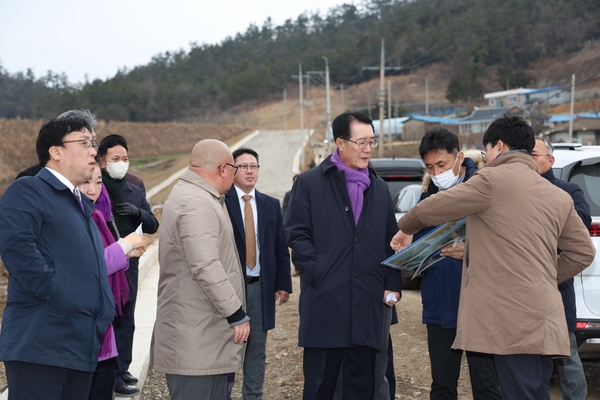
{"x":29,"y":381}
{"x":445,"y":367}
{"x":390,"y":374}
{"x":524,"y":376}
{"x":103,"y":380}
{"x":322,"y":366}
{"x":124,"y":327}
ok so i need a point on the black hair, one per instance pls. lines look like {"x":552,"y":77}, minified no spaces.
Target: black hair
{"x":439,"y":138}
{"x":244,"y":150}
{"x":53,"y":132}
{"x":514,"y":131}
{"x":341,"y":124}
{"x":109,"y":142}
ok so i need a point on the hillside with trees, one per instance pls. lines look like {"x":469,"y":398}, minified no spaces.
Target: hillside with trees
{"x":469,"y":36}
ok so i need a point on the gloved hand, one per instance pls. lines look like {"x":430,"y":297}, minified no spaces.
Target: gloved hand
{"x":128,"y":210}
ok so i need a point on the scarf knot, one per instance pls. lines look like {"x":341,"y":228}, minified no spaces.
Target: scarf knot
{"x":357,"y":181}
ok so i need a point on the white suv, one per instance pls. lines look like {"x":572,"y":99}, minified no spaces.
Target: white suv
{"x":581,"y":165}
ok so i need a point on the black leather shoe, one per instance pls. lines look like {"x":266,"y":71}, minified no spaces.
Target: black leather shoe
{"x":126,"y":391}
{"x":129,"y":379}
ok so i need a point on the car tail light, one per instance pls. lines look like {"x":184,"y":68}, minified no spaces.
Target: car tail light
{"x":587,"y":325}
{"x":595,"y":230}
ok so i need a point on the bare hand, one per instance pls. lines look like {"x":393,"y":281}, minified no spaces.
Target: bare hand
{"x":457,"y":252}
{"x":282,"y":296}
{"x":400,"y":241}
{"x":241,"y":333}
{"x":137,"y":241}
{"x":391,"y":302}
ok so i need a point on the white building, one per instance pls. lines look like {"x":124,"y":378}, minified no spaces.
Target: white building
{"x":550,"y":95}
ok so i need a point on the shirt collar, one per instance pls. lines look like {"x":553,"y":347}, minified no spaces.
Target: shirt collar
{"x":241,"y":193}
{"x":61,"y":178}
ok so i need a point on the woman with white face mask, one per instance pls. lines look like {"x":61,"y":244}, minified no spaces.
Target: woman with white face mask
{"x":130,"y":210}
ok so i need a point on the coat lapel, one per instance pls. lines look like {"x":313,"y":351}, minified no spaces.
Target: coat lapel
{"x":262,"y":209}
{"x":233,"y":205}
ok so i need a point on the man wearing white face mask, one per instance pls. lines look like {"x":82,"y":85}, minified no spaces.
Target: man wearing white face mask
{"x":130,"y":209}
{"x":447,"y":166}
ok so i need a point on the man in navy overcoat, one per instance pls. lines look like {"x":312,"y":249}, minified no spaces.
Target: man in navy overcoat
{"x":59,"y":300}
{"x":339,"y":223}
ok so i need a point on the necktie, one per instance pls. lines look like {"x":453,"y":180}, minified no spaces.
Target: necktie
{"x":250,"y":235}
{"x":78,"y":195}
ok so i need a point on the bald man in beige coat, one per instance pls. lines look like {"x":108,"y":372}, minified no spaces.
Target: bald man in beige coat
{"x":201,"y":325}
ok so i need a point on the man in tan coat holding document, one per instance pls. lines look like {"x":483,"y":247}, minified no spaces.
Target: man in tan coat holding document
{"x":509,"y":303}
{"x":201,"y":325}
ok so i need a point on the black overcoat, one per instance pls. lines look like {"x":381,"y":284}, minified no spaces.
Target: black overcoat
{"x":342,"y":280}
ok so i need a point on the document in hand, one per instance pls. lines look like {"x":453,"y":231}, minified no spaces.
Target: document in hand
{"x":426,"y":251}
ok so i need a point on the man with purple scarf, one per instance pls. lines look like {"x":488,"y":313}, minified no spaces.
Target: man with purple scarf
{"x":339,"y":222}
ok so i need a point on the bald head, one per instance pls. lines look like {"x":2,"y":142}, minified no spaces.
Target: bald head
{"x":210,"y":153}
{"x":209,"y":158}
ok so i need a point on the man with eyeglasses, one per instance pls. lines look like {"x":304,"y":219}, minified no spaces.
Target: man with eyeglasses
{"x":570,"y":369}
{"x":59,"y":300}
{"x":201,"y":324}
{"x":340,"y":218}
{"x":509,"y":304}
{"x":90,"y":118}
{"x":266,"y":264}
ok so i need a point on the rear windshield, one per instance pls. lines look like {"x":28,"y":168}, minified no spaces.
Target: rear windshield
{"x":395,"y":185}
{"x":588,"y":178}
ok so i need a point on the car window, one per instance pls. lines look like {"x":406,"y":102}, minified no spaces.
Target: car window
{"x":396,"y":185}
{"x":406,"y":201}
{"x":588,"y":178}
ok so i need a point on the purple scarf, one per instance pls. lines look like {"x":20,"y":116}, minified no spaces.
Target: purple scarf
{"x":103,"y":204}
{"x":357,"y":181}
{"x":118,"y":280}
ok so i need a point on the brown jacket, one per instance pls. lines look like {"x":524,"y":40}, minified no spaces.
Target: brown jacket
{"x":200,"y":283}
{"x":509,"y":300}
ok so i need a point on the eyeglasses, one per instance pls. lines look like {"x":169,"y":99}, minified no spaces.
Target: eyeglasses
{"x":251,"y":167}
{"x":536,"y":155}
{"x":361,"y":145}
{"x":87,"y":143}
{"x":484,"y":156}
{"x":235,"y":167}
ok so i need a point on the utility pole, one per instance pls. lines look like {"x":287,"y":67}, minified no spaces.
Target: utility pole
{"x":381,"y":102}
{"x":426,"y":97}
{"x":301,"y":115}
{"x":342,"y":96}
{"x":382,"y":68}
{"x":328,"y":102}
{"x":284,"y":111}
{"x":572,"y":108}
{"x":390,"y":113}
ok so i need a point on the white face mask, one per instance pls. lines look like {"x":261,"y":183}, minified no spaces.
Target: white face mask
{"x":447,"y":179}
{"x":117,"y":170}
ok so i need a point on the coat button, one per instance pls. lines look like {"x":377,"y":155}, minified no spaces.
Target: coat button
{"x":356,"y":241}
{"x":346,"y":208}
{"x":355,"y":275}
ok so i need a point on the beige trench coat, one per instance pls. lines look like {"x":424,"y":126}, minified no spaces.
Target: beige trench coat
{"x":200,"y":284}
{"x":509,"y":300}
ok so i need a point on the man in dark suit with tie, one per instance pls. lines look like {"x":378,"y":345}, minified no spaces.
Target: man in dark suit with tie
{"x":260,"y":239}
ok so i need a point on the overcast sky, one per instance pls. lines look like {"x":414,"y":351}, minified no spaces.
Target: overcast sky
{"x":97,"y":37}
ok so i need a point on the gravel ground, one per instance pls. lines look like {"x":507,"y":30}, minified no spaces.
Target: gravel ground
{"x":284,"y":379}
